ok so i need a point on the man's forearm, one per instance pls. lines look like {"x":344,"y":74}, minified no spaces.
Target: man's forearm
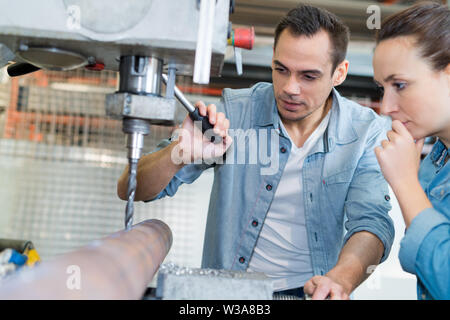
{"x":361,"y":251}
{"x":154,"y":173}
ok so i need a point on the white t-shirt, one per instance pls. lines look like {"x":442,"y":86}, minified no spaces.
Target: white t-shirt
{"x":282,"y":250}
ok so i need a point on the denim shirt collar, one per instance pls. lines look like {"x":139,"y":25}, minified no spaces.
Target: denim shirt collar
{"x":338,"y":130}
{"x":269,"y":114}
{"x":438,"y":154}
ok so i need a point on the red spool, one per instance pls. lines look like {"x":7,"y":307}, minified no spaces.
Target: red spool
{"x":244,"y":38}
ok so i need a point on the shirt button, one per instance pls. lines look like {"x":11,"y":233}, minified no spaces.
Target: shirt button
{"x":442,"y":192}
{"x":241,"y":260}
{"x":387,"y":198}
{"x":269,"y":187}
{"x":283,"y":150}
{"x":254,"y":223}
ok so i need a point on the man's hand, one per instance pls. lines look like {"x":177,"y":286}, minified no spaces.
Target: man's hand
{"x":323,"y":287}
{"x":362,"y":250}
{"x":193,"y":145}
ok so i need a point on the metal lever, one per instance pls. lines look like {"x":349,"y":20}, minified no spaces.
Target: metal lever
{"x":207,"y":128}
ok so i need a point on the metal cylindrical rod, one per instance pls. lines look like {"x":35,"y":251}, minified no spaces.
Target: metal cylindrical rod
{"x":135,"y":143}
{"x":140,"y":75}
{"x":202,"y":63}
{"x":117,"y":267}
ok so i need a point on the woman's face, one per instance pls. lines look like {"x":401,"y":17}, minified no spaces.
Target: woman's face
{"x":414,"y":93}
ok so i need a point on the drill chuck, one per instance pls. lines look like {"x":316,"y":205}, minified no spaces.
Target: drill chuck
{"x":135,"y":129}
{"x":135,"y":143}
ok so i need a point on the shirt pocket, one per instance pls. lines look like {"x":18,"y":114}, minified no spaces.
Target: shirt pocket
{"x":336,"y":189}
{"x":440,"y":192}
{"x":342,"y":177}
{"x":440,"y":199}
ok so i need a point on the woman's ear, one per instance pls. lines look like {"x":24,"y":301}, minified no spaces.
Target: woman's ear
{"x":447,"y":73}
{"x":340,"y":74}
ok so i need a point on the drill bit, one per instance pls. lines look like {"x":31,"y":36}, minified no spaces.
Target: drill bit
{"x":135,"y":129}
{"x":131,"y":191}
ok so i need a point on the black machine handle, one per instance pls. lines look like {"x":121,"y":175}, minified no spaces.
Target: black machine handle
{"x":21,"y":68}
{"x":195,"y":116}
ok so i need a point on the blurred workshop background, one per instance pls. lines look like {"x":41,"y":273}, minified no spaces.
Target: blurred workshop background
{"x":61,"y":155}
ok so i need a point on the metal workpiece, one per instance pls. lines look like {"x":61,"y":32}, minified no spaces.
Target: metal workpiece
{"x":119,"y":266}
{"x":182,"y":283}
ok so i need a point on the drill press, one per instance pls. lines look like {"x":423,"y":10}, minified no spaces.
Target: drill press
{"x":140,"y":104}
{"x":136,"y":38}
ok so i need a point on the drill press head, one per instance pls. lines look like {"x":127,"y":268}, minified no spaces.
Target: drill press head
{"x":139,"y":104}
{"x":140,"y":88}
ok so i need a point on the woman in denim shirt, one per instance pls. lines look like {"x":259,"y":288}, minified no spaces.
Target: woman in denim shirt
{"x":412,"y":66}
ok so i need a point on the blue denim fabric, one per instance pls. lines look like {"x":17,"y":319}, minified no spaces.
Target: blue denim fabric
{"x":425,"y":249}
{"x":343,"y":186}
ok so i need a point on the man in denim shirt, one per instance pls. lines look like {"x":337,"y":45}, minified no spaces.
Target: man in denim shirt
{"x":300,"y":167}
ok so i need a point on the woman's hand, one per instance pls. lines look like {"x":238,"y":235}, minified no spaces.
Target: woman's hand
{"x":399,"y":157}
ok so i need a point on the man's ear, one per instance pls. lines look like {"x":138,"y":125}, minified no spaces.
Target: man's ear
{"x":340,"y":74}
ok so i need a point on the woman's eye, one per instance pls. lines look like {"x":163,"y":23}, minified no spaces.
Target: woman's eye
{"x":399,"y":85}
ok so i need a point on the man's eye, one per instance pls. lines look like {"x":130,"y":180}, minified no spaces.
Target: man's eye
{"x":310,"y":78}
{"x":280,"y":69}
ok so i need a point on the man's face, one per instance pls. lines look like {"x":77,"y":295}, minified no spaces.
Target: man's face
{"x":301,"y":74}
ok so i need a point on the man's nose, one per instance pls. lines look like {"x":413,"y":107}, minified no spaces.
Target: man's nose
{"x":292,"y":86}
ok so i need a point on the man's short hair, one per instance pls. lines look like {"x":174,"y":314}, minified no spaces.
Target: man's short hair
{"x":308,"y":20}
